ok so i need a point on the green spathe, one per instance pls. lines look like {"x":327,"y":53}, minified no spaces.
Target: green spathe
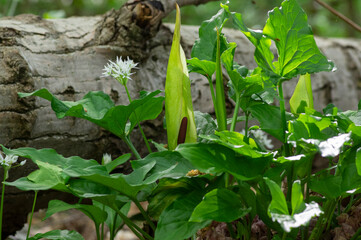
{"x":302,"y":96}
{"x":178,"y":99}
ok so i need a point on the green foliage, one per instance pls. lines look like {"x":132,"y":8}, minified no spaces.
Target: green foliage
{"x":58,"y":235}
{"x":226,"y":176}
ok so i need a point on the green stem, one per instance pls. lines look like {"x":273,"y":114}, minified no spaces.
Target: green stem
{"x":231,"y":231}
{"x":132,"y":148}
{"x":212,"y":93}
{"x":220,"y":98}
{"x":2,"y":199}
{"x":97,"y":231}
{"x":246,"y":139}
{"x":145,"y":215}
{"x":349,"y":205}
{"x":235,"y":113}
{"x":290,"y":181}
{"x":140,"y":128}
{"x":102,"y":226}
{"x":283,"y":118}
{"x":284,"y":236}
{"x":31,"y":215}
{"x":322,"y":223}
{"x":133,"y":227}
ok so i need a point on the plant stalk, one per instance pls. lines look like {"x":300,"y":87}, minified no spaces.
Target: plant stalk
{"x":132,"y":226}
{"x":235,"y":113}
{"x":283,"y":118}
{"x":212,"y":93}
{"x":32,"y":213}
{"x":145,"y":215}
{"x":2,"y":199}
{"x":246,"y":139}
{"x":140,"y":128}
{"x":220,"y":98}
{"x":132,"y":148}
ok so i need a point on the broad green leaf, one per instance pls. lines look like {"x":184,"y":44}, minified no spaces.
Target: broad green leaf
{"x":25,"y":184}
{"x":117,"y":182}
{"x":354,"y":116}
{"x":98,"y":108}
{"x":263,"y":54}
{"x":178,"y":99}
{"x":148,"y":111}
{"x":215,"y":159}
{"x":235,"y":141}
{"x":302,"y":212}
{"x":159,"y":165}
{"x":204,"y":67}
{"x":168,"y":190}
{"x":220,"y":205}
{"x":278,"y":204}
{"x":302,"y":96}
{"x":330,"y":186}
{"x":270,"y":119}
{"x":299,"y":219}
{"x":332,"y":146}
{"x":297,"y":49}
{"x":96,"y":214}
{"x":50,"y":175}
{"x":174,"y":222}
{"x":205,"y":124}
{"x":116,"y":162}
{"x":58,"y":235}
{"x":309,"y":127}
{"x":298,"y":205}
{"x":205,"y":48}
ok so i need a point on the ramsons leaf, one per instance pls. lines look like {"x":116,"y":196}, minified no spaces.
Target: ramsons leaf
{"x":96,"y":214}
{"x":58,"y":235}
{"x":98,"y":108}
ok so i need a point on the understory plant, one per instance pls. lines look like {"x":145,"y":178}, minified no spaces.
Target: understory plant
{"x":209,"y":172}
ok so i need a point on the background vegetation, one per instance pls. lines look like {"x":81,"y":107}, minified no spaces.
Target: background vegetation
{"x":323,"y":22}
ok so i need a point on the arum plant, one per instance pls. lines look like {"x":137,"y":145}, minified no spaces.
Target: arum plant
{"x":7,"y":163}
{"x":179,"y":112}
{"x":121,"y":71}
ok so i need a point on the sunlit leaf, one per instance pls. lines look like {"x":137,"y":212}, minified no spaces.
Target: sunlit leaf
{"x":302,"y":96}
{"x":58,"y":235}
{"x":297,"y":50}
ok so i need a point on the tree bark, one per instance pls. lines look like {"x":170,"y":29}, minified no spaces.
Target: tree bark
{"x":67,"y":57}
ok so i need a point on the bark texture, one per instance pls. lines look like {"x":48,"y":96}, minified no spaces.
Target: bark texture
{"x":67,"y":57}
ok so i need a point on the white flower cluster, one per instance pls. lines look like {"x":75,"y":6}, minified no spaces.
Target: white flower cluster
{"x":120,"y":70}
{"x":261,"y":137}
{"x":9,"y":160}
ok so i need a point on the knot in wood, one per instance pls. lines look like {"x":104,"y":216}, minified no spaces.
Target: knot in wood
{"x":147,"y":14}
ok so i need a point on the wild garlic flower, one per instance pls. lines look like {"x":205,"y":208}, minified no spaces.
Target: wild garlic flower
{"x":261,"y":137}
{"x":8,"y":160}
{"x":120,"y":70}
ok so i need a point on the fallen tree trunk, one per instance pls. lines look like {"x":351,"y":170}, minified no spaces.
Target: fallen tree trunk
{"x":67,"y":57}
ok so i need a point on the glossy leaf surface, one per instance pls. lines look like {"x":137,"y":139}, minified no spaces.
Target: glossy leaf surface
{"x":220,"y":205}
